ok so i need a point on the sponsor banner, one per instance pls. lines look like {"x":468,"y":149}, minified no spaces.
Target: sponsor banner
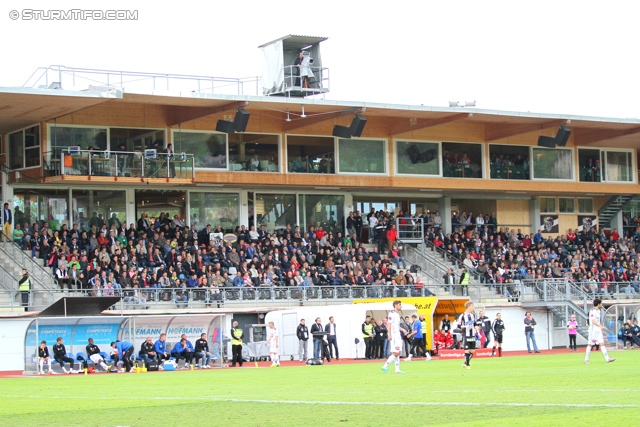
{"x":586,"y":222}
{"x":102,"y":334}
{"x":459,"y":354}
{"x":49,"y":333}
{"x":548,"y":223}
{"x":193,"y":331}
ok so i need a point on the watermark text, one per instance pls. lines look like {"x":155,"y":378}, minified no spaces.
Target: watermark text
{"x":73,"y":15}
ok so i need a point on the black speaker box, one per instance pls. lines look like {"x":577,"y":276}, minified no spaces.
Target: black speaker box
{"x":341,"y":131}
{"x":563,"y":136}
{"x":224,"y":126}
{"x":546,"y":141}
{"x":241,"y":120}
{"x":357,"y":125}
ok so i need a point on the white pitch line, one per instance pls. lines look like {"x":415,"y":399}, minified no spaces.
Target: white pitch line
{"x":305,"y":402}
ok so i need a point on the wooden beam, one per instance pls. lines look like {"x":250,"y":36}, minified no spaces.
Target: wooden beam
{"x":495,"y":131}
{"x":588,"y":136}
{"x":300,"y":122}
{"x":426,"y":123}
{"x":180,"y":115}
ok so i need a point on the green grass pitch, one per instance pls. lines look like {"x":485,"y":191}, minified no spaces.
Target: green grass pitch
{"x":546,"y":390}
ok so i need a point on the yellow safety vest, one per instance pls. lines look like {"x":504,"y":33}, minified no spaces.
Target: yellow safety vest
{"x":236,"y":335}
{"x":368,"y":330}
{"x":465,"y":280}
{"x":25,"y":286}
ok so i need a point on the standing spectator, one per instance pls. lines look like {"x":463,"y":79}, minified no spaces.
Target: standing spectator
{"x":380,"y":334}
{"x":497,"y":327}
{"x":318,"y":332}
{"x":330,"y":328}
{"x":423,"y":323}
{"x":60,"y":356}
{"x":529,"y":324}
{"x":237,"y":335}
{"x":357,"y":224}
{"x":367,"y":337}
{"x":7,"y":219}
{"x":464,"y":281}
{"x":392,"y":237}
{"x":417,"y":346}
{"x":405,"y":327}
{"x":572,"y":327}
{"x":303,"y":337}
{"x":24,"y":286}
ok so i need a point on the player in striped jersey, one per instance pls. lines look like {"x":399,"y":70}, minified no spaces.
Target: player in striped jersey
{"x":595,"y":332}
{"x":467,"y":326}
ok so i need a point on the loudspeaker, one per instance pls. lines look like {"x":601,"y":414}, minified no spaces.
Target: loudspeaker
{"x":241,"y":120}
{"x":546,"y":141}
{"x":341,"y":131}
{"x":224,"y":126}
{"x":563,"y":136}
{"x":413,"y":153}
{"x":357,"y":125}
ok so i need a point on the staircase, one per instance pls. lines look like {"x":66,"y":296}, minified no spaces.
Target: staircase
{"x":610,"y":209}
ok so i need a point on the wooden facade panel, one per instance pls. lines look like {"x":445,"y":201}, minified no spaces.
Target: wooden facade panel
{"x":514,"y":212}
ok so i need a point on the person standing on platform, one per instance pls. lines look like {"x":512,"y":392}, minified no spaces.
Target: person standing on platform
{"x":237,"y":335}
{"x":7,"y":219}
{"x":330,"y":328}
{"x":296,"y":68}
{"x":24,"y":286}
{"x":303,"y":339}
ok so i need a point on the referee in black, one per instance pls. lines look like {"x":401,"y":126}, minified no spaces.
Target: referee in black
{"x":498,"y":328}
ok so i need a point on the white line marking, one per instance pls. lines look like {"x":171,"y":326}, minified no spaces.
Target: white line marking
{"x":304,"y":402}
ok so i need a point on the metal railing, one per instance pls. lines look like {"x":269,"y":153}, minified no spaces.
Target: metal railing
{"x":70,"y":78}
{"x":38,"y":274}
{"x":140,"y":164}
{"x":319,"y":82}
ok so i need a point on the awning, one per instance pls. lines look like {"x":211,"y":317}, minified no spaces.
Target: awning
{"x":79,"y":306}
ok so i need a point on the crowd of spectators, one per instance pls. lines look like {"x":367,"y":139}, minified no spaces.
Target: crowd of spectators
{"x":163,"y":259}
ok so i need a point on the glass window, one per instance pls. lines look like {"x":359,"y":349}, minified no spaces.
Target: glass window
{"x":310,"y":154}
{"x":209,"y":149}
{"x":509,"y":161}
{"x":161,"y":204}
{"x":585,"y":205}
{"x":461,"y":160}
{"x":566,"y":205}
{"x":62,"y":137}
{"x":361,"y":156}
{"x":24,"y":148}
{"x":418,"y":158}
{"x":137,"y":139}
{"x":253,"y":152}
{"x":215,"y":209}
{"x":320,"y":210}
{"x":547,"y":204}
{"x":275,"y":211}
{"x":589,"y":163}
{"x":42,"y":206}
{"x":552,"y":163}
{"x":97,"y":207}
{"x":618,"y":166}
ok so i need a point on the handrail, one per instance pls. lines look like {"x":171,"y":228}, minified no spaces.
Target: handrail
{"x":36,"y":272}
{"x":451,"y":260}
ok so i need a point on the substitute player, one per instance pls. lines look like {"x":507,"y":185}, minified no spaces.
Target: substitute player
{"x":497,"y":327}
{"x":595,"y":332}
{"x":273,"y":341}
{"x":43,"y":357}
{"x":468,"y":328}
{"x":395,"y":337}
{"x":93,"y":353}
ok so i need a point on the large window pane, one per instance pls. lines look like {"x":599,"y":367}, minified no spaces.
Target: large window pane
{"x":310,"y":154}
{"x":320,"y":210}
{"x":97,"y":207}
{"x":215,"y":209}
{"x":42,"y":206}
{"x":547,"y":205}
{"x":509,"y":161}
{"x":209,"y":149}
{"x":585,"y":205}
{"x":137,"y":139}
{"x":253,"y":152}
{"x":552,"y":164}
{"x":62,"y":137}
{"x":461,"y":160}
{"x":566,"y":205}
{"x":275,"y":211}
{"x":16,"y":150}
{"x":418,"y":158}
{"x":589,"y":163}
{"x":619,"y":166}
{"x":361,"y":156}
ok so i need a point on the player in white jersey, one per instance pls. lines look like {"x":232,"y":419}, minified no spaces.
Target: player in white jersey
{"x":395,"y":336}
{"x":468,"y":328}
{"x":595,"y":332}
{"x":273,"y":342}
